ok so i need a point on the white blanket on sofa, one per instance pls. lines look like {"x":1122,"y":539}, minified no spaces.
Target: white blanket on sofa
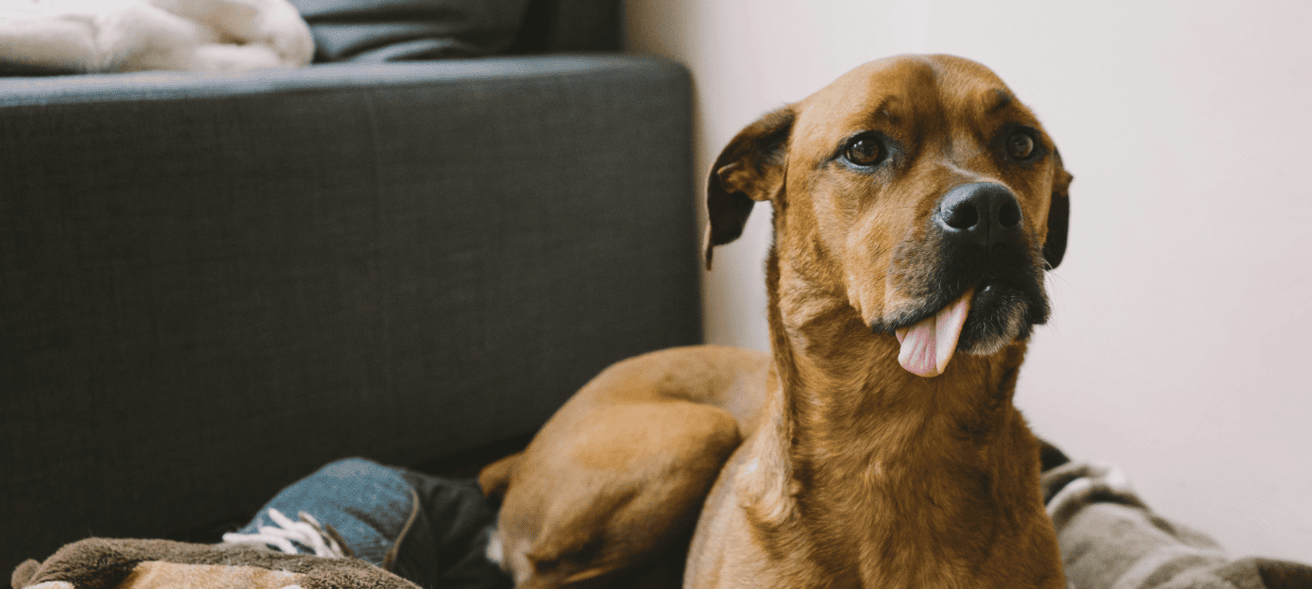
{"x":92,"y":36}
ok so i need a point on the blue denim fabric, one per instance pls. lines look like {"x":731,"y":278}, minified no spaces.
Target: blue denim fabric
{"x":436,"y":527}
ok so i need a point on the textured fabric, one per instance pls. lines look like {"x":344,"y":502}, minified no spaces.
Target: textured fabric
{"x":214,"y":284}
{"x":569,"y":25}
{"x":459,"y":520}
{"x":129,"y":563}
{"x":367,"y":504}
{"x":1110,"y":539}
{"x":138,"y":35}
{"x":435,"y":528}
{"x":398,"y":30}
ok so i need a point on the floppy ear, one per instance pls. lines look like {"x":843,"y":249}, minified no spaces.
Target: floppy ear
{"x":750,"y":169}
{"x":1059,"y":215}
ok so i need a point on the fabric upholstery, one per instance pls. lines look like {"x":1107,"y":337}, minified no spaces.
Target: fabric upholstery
{"x":214,"y":284}
{"x":1110,"y":539}
{"x":569,"y":25}
{"x":430,"y":530}
{"x":398,"y":30}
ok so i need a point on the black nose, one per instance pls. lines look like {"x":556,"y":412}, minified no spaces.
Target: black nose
{"x":984,"y":214}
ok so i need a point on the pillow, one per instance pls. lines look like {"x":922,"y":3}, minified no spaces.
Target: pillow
{"x":75,"y":37}
{"x":399,"y":30}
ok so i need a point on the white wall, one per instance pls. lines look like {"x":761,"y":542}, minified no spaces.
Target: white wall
{"x":1179,"y":346}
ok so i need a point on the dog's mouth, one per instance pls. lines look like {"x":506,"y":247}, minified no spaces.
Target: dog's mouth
{"x":980,"y":321}
{"x":971,"y":302}
{"x":928,"y":346}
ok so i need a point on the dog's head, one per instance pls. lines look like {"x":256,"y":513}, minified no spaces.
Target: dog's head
{"x":919,"y":190}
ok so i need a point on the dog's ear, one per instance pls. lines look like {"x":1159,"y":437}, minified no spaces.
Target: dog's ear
{"x":494,"y":479}
{"x":750,"y":169}
{"x":1059,"y":214}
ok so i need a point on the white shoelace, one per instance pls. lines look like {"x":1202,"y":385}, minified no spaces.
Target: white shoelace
{"x":308,"y":532}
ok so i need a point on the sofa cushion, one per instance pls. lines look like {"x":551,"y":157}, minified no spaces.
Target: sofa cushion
{"x":398,"y":30}
{"x":555,"y":26}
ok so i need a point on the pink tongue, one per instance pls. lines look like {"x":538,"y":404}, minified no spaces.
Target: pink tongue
{"x":928,"y":346}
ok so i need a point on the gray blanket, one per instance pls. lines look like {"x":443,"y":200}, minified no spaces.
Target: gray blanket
{"x":1111,"y":540}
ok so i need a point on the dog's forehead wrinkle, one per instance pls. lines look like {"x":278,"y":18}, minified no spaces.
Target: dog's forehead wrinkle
{"x":880,"y":93}
{"x":972,"y":90}
{"x":956,"y":174}
{"x":1002,"y":97}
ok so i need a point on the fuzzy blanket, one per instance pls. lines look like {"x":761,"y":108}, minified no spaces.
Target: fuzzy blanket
{"x":1111,"y":540}
{"x":100,"y":563}
{"x":97,"y":36}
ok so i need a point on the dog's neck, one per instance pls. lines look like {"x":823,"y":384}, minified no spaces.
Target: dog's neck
{"x":888,"y":470}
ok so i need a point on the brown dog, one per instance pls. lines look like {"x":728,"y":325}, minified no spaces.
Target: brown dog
{"x":916,"y":205}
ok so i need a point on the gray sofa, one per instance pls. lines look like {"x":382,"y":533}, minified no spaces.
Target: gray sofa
{"x":212,"y":285}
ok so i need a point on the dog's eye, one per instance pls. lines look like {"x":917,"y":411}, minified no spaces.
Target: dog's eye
{"x":865,"y":150}
{"x":1020,"y":145}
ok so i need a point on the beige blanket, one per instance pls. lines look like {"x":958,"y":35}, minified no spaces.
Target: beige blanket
{"x":101,"y":563}
{"x":95,"y":36}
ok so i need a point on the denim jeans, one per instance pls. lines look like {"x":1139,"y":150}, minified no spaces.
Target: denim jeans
{"x":427,"y":529}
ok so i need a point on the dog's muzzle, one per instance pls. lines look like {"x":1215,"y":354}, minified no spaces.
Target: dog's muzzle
{"x":986,"y":287}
